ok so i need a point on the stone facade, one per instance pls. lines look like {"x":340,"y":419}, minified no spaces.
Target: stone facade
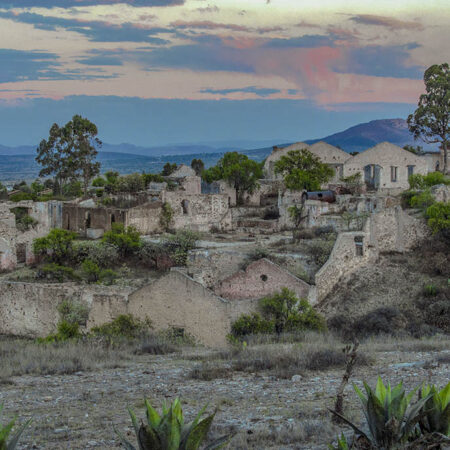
{"x":260,"y":279}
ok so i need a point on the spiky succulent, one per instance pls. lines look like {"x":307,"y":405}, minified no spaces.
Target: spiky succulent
{"x":436,"y":410}
{"x":8,"y":441}
{"x":168,"y":431}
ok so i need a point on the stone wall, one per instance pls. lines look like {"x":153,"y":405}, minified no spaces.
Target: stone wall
{"x":389,"y":230}
{"x":145,"y":218}
{"x":260,"y":279}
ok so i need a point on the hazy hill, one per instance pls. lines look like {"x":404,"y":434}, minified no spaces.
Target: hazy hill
{"x":366,"y":135}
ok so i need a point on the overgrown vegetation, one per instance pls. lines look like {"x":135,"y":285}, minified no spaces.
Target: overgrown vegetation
{"x":8,"y":439}
{"x":280,"y":312}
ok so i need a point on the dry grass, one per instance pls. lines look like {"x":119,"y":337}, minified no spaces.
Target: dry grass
{"x":21,"y":357}
{"x":385,"y":343}
{"x":208,"y":371}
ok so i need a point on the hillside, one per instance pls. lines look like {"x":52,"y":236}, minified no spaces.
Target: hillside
{"x":366,"y":135}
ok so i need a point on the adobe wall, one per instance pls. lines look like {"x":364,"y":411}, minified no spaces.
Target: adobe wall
{"x":176,"y":300}
{"x":260,"y":279}
{"x":145,"y":218}
{"x":31,"y":309}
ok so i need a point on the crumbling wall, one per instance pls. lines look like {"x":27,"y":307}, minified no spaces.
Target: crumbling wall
{"x":260,"y":279}
{"x":145,"y":218}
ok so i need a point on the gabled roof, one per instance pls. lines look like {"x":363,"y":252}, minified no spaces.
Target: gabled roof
{"x":328,"y":153}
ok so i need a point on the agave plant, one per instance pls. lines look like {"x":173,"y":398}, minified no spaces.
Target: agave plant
{"x":436,"y":410}
{"x":169,"y":432}
{"x":390,"y":416}
{"x":6,"y":430}
{"x":342,"y":443}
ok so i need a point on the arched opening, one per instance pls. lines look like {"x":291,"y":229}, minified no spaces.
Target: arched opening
{"x":113,"y":218}
{"x":264,"y":277}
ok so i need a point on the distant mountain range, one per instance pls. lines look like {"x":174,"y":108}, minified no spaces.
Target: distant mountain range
{"x":17,"y":163}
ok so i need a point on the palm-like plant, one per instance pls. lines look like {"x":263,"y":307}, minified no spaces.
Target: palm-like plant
{"x":168,"y":431}
{"x":6,"y":430}
{"x":390,"y":416}
{"x":436,"y":410}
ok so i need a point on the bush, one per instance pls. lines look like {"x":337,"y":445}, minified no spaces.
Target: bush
{"x":321,"y":251}
{"x":324,"y":230}
{"x":430,"y":290}
{"x":6,"y":430}
{"x":303,"y":233}
{"x":130,"y":183}
{"x":438,"y":216}
{"x":281,"y":312}
{"x":179,"y":244}
{"x":249,"y":324}
{"x":166,"y":216}
{"x":102,"y":253}
{"x":56,"y":246}
{"x":126,"y":240}
{"x":125,"y":326}
{"x":73,"y":312}
{"x":406,"y":198}
{"x":422,"y":200}
{"x":417,"y":181}
{"x":73,"y":189}
{"x":55,"y":272}
{"x":258,"y":253}
{"x":21,"y":196}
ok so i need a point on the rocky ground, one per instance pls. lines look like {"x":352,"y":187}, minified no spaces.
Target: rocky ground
{"x":80,"y":410}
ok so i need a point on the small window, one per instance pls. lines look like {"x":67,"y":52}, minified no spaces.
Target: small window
{"x":410,"y":171}
{"x":359,"y":245}
{"x":264,"y":277}
{"x":394,"y":173}
{"x":113,"y":218}
{"x":185,"y":206}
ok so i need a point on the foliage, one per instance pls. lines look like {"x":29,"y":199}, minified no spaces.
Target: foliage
{"x":179,"y":244}
{"x":418,"y":181}
{"x":56,"y":246}
{"x":321,"y":250}
{"x":166,"y":216}
{"x":436,"y":410}
{"x":70,"y":152}
{"x":438,"y":215}
{"x":238,"y":170}
{"x":148,"y":178}
{"x":342,"y":443}
{"x":422,"y":200}
{"x":73,"y":312}
{"x":102,"y":253}
{"x":125,"y":326}
{"x":281,"y":312}
{"x":73,"y":189}
{"x":19,"y":196}
{"x":8,"y":441}
{"x":129,"y":183}
{"x":94,"y":274}
{"x":198,"y":165}
{"x":99,"y":182}
{"x":23,"y":221}
{"x":303,"y":170}
{"x":169,"y":431}
{"x":126,"y":240}
{"x":168,"y":169}
{"x":296,"y":213}
{"x":430,"y":290}
{"x":390,"y":416}
{"x":248,"y":324}
{"x":430,"y":121}
{"x":417,"y":150}
{"x":353,"y":183}
{"x":57,"y":272}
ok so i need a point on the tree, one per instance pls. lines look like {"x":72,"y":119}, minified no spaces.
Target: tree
{"x":430,"y":121}
{"x":70,"y":152}
{"x":238,"y":170}
{"x":56,"y":246}
{"x":168,"y":169}
{"x":417,"y":150}
{"x":198,"y":165}
{"x":303,"y":170}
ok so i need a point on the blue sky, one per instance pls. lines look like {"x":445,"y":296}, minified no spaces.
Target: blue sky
{"x":153,"y":72}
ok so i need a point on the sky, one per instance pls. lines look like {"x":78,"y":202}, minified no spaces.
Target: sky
{"x":155,"y":72}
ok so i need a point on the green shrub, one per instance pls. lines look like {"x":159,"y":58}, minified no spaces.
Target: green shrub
{"x":99,"y":182}
{"x":102,"y":253}
{"x":90,"y":270}
{"x":73,"y":189}
{"x":56,"y":246}
{"x":422,"y":200}
{"x":21,"y":196}
{"x":179,"y":244}
{"x":253,"y":323}
{"x":125,"y":326}
{"x":67,"y":330}
{"x":8,"y":441}
{"x":126,"y":240}
{"x":258,"y":253}
{"x":73,"y":312}
{"x":417,"y":181}
{"x":55,"y":272}
{"x":321,"y":251}
{"x":166,"y":216}
{"x":168,"y":431}
{"x":281,"y":312}
{"x":130,"y":183}
{"x":430,"y":290}
{"x":438,"y":216}
{"x":406,"y":198}
{"x":108,"y":276}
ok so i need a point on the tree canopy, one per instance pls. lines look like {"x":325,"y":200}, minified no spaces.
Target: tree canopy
{"x":198,"y":165}
{"x":430,"y":121}
{"x":69,"y":152}
{"x":238,"y":170}
{"x":303,"y":170}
